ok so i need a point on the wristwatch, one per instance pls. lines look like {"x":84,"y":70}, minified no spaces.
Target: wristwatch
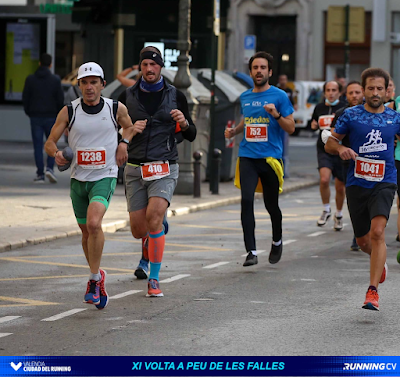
{"x":278,"y":117}
{"x":126,"y":141}
{"x":187,"y":125}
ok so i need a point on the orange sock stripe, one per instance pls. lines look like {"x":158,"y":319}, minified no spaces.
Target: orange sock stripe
{"x":156,"y":247}
{"x":145,"y":251}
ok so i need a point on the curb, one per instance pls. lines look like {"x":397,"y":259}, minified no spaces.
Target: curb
{"x":116,"y":225}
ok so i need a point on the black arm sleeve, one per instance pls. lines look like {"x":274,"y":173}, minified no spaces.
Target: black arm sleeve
{"x":122,"y":97}
{"x":191,"y":132}
{"x":337,"y":115}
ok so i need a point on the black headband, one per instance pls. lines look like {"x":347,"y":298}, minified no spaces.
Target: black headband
{"x":153,"y":56}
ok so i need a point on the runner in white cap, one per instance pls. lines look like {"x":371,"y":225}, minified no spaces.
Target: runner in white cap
{"x":92,"y":122}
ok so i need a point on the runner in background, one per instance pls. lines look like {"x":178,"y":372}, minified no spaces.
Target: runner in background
{"x":329,"y":165}
{"x":267,"y":115}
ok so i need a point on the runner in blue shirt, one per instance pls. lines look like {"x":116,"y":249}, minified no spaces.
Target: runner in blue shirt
{"x":372,"y":177}
{"x":267,"y":115}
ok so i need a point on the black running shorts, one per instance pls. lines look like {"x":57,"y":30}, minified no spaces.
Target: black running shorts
{"x":334,"y":163}
{"x":365,"y":204}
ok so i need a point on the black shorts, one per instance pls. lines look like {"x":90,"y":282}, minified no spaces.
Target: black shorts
{"x":365,"y":204}
{"x":397,"y":163}
{"x":334,"y":163}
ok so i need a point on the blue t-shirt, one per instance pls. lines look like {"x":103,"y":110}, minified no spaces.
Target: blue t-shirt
{"x":372,"y":137}
{"x":254,"y":113}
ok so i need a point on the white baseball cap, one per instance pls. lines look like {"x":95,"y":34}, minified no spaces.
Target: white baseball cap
{"x":90,"y":69}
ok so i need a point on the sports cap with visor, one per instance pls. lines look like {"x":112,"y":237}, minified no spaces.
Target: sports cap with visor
{"x":90,"y":69}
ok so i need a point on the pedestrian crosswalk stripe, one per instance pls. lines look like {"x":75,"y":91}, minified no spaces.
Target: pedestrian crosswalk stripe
{"x":216,"y":265}
{"x":9,"y":318}
{"x":62,"y":315}
{"x":3,"y":334}
{"x":124,"y":294}
{"x":173,"y":278}
{"x":316,"y":234}
{"x":258,"y":252}
{"x":287,"y":242}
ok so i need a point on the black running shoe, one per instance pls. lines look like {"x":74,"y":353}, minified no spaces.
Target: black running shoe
{"x":251,"y":259}
{"x":275,"y":254}
{"x":354,"y":246}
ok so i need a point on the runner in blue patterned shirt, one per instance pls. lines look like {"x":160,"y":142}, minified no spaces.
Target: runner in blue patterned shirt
{"x":372,"y":177}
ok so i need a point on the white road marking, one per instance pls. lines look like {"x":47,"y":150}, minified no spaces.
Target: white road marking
{"x":9,"y":318}
{"x":173,"y":278}
{"x":258,"y":252}
{"x":299,"y":201}
{"x":307,"y":279}
{"x":124,"y":294}
{"x":203,"y":299}
{"x":287,"y":242}
{"x":216,"y":264}
{"x":63,"y":315}
{"x":316,"y":234}
{"x":257,"y":302}
{"x":3,"y":334}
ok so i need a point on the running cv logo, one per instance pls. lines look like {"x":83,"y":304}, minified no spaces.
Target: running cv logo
{"x":374,"y":144}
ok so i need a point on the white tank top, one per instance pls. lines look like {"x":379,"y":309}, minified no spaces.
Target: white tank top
{"x":94,"y":141}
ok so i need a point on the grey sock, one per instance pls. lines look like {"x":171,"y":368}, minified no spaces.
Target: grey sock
{"x":96,"y":277}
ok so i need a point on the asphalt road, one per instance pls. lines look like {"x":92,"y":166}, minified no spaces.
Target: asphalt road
{"x":307,"y":304}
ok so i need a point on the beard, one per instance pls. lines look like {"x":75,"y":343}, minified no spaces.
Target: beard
{"x":372,"y":104}
{"x":262,"y":82}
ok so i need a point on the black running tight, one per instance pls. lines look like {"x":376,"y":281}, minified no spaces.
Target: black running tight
{"x":250,"y":170}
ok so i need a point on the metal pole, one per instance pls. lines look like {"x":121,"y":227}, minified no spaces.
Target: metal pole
{"x":212,"y":105}
{"x":197,"y":174}
{"x":347,"y":43}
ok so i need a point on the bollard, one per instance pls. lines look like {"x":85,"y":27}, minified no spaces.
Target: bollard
{"x":197,"y":174}
{"x":216,"y":170}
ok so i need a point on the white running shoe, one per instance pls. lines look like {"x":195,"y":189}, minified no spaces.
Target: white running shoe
{"x":324,"y":218}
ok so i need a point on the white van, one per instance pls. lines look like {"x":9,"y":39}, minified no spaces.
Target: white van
{"x":306,"y":95}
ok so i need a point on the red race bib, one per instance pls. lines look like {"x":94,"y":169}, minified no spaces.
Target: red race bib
{"x":91,"y":158}
{"x":325,"y":121}
{"x":154,"y":170}
{"x":256,"y":132}
{"x":370,"y":170}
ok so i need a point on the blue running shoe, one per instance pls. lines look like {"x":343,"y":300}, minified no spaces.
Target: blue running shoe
{"x":165,"y":224}
{"x":92,"y":295}
{"x":142,"y":270}
{"x":103,"y":293}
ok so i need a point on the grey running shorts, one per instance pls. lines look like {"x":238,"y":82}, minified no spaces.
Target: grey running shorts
{"x":138,"y":191}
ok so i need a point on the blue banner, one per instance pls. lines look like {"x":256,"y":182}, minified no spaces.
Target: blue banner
{"x":199,"y":366}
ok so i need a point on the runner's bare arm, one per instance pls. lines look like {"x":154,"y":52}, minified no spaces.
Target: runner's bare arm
{"x":128,"y":132}
{"x":286,"y":123}
{"x":333,"y":146}
{"x":231,"y":132}
{"x":56,"y":132}
{"x":125,"y":121}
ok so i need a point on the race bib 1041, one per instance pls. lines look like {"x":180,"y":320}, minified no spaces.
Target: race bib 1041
{"x":370,"y":170}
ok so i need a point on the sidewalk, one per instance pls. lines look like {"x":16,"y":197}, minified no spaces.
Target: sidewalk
{"x":32,"y":214}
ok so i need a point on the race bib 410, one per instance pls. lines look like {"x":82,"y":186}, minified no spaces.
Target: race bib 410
{"x":154,"y":170}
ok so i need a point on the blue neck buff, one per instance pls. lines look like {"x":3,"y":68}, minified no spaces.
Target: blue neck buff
{"x":334,"y":103}
{"x":156,"y":87}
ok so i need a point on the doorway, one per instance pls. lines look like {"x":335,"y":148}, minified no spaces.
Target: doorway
{"x":277,"y":36}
